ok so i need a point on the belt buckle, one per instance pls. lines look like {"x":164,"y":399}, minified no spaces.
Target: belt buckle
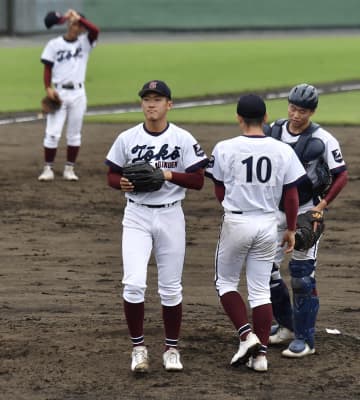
{"x":69,"y":85}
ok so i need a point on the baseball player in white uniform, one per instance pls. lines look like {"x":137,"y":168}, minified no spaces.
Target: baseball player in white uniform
{"x":250,"y":173}
{"x":322,"y":153}
{"x":65,"y":60}
{"x":154,"y":221}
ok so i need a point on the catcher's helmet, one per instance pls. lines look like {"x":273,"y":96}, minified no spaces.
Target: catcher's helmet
{"x":304,"y":95}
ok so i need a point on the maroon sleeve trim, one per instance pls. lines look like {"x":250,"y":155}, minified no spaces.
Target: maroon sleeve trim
{"x":291,"y":206}
{"x":113,"y":179}
{"x":337,"y":186}
{"x":47,"y":75}
{"x":189,"y":180}
{"x":93,"y":30}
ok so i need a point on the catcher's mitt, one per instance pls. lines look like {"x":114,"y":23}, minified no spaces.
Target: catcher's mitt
{"x":144,"y":177}
{"x":309,"y":228}
{"x":49,"y":105}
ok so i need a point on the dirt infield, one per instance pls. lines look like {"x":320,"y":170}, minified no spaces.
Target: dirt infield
{"x":62,"y":330}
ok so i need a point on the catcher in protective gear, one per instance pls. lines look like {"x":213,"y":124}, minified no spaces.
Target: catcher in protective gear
{"x":50,"y":105}
{"x":309,"y":228}
{"x":144,"y":177}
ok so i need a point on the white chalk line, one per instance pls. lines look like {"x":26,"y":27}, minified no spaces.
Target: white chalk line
{"x":180,"y":104}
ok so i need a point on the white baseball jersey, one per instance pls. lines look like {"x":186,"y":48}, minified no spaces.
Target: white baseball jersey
{"x":254,"y":171}
{"x":175,"y":149}
{"x":69,"y":59}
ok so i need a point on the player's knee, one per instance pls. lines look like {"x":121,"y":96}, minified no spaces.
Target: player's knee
{"x":74,"y":140}
{"x":223,"y":288}
{"x":171,"y":296}
{"x":133,"y":294}
{"x":260,"y":300}
{"x":51,"y":141}
{"x":302,"y":276}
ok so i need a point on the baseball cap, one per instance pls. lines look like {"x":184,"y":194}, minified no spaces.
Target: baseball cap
{"x":52,"y":18}
{"x":251,"y":106}
{"x":155,"y":86}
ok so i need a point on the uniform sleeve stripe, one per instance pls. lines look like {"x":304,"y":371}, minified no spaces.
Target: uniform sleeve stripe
{"x":201,"y":164}
{"x":297,"y":182}
{"x":114,"y":167}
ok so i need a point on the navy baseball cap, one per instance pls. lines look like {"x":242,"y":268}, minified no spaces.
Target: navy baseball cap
{"x":251,"y":106}
{"x":159,"y":87}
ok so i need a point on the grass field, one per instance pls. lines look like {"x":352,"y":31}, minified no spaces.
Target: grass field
{"x":335,"y":109}
{"x":116,"y":72}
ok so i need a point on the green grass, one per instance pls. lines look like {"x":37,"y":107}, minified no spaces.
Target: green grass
{"x":117,"y":71}
{"x":335,"y":109}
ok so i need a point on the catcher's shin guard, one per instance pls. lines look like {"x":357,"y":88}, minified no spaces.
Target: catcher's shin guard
{"x":280,"y":299}
{"x":305,"y":302}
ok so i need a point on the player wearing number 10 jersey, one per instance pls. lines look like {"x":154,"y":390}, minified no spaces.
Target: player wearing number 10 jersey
{"x":251,"y":172}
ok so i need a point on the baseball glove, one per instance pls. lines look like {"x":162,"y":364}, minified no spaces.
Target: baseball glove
{"x":49,"y":105}
{"x":309,"y":228}
{"x":144,"y":177}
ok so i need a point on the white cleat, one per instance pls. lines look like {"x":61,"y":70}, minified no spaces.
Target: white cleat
{"x":47,"y":174}
{"x":139,"y":359}
{"x":247,"y":348}
{"x":69,"y":174}
{"x":282,"y":335}
{"x":171,"y":360}
{"x":258,"y":363}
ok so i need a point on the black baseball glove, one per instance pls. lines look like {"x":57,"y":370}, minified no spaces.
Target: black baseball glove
{"x":309,"y":228}
{"x":144,"y":177}
{"x":49,"y":105}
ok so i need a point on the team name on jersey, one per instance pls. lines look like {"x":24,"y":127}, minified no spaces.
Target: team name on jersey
{"x":63,"y":55}
{"x":166,"y":164}
{"x":148,"y":153}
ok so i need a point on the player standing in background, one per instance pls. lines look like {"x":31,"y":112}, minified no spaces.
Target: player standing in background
{"x":65,"y":60}
{"x":320,"y":153}
{"x":154,"y":221}
{"x":250,"y":173}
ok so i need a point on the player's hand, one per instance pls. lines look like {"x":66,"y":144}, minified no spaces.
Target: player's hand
{"x":289,"y":241}
{"x":167,"y":175}
{"x":52,"y":93}
{"x":126,"y":185}
{"x":68,"y":14}
{"x":320,"y":207}
{"x":72,"y":15}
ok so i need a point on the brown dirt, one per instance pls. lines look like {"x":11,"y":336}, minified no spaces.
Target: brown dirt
{"x":62,"y":331}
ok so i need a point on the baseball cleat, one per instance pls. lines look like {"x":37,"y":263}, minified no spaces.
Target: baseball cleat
{"x":47,"y":174}
{"x":249,"y":347}
{"x":258,"y":363}
{"x":171,"y":360}
{"x":297,"y":349}
{"x":139,"y":359}
{"x":69,"y":174}
{"x":281,"y":335}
